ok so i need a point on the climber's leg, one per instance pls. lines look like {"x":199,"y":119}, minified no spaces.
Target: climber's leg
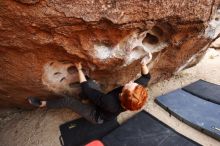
{"x":87,"y":111}
{"x":92,"y":84}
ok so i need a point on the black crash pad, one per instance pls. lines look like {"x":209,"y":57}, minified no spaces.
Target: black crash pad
{"x":205,"y":90}
{"x":196,"y":112}
{"x":145,"y":130}
{"x":80,"y":131}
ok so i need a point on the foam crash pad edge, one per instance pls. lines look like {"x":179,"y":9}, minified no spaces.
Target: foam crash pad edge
{"x":194,"y":111}
{"x":145,"y":130}
{"x":205,"y":90}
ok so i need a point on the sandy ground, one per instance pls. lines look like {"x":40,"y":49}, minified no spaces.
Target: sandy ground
{"x":40,"y":127}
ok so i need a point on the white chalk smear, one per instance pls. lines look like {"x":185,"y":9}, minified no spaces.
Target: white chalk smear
{"x":134,"y":55}
{"x":102,"y":52}
{"x":213,"y":29}
{"x":123,"y":51}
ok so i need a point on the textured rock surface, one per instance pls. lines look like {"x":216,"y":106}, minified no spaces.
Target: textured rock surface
{"x":103,"y":35}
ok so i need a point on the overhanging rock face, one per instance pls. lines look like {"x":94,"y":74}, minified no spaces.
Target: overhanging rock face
{"x":109,"y":37}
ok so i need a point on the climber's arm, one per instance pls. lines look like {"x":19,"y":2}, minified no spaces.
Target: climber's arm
{"x":82,"y":77}
{"x":89,"y":92}
{"x":145,"y":78}
{"x":144,"y":62}
{"x":144,"y":69}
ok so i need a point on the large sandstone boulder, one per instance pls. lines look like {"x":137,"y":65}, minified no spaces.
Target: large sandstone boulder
{"x":109,"y":37}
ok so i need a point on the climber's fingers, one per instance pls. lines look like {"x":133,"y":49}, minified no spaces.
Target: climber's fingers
{"x":146,"y":59}
{"x":150,"y":56}
{"x":78,"y":65}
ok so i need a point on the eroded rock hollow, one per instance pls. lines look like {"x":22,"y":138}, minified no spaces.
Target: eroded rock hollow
{"x":109,"y":37}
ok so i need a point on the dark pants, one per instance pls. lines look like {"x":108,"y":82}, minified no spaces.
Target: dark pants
{"x":88,"y":111}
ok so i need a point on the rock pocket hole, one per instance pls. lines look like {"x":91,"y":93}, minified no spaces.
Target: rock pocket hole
{"x":158,"y":31}
{"x":71,"y":70}
{"x":51,"y":63}
{"x":138,"y":48}
{"x":65,"y":61}
{"x":74,"y":85}
{"x":62,"y":79}
{"x":151,"y":39}
{"x":57,"y":73}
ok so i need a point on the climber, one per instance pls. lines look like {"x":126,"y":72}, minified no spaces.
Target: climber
{"x":132,"y":96}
